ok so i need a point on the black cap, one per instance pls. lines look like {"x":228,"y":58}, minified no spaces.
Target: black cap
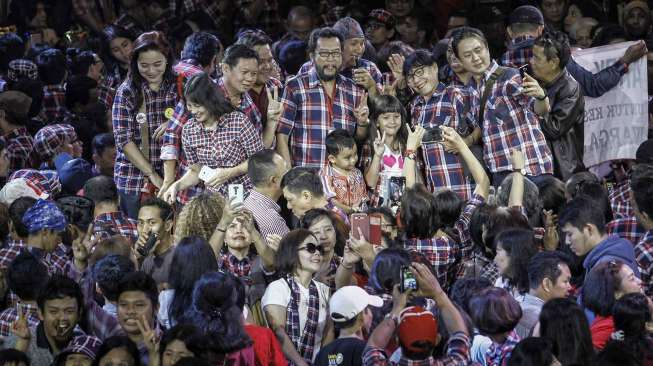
{"x":527,"y":14}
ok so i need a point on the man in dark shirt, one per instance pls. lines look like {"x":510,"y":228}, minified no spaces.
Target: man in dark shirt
{"x":350,"y":313}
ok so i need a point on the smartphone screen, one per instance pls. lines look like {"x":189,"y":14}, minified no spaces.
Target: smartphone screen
{"x":360,"y":221}
{"x":236,"y":193}
{"x":408,"y":280}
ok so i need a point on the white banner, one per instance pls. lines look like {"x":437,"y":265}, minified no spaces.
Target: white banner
{"x":617,"y":122}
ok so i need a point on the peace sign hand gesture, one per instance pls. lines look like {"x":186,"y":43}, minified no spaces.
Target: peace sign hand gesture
{"x":150,"y":338}
{"x":20,"y":328}
{"x":362,"y":112}
{"x":379,"y":145}
{"x":274,"y":105}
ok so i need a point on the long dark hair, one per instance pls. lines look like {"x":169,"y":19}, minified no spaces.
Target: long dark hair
{"x":600,"y":287}
{"x":387,"y":104}
{"x":630,"y":313}
{"x":193,"y":257}
{"x":200,"y":89}
{"x":150,"y":41}
{"x":564,"y":323}
{"x":216,"y":312}
{"x":110,"y":33}
{"x":520,"y":246}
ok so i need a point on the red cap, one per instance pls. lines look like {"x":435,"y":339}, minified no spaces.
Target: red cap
{"x":417,"y":324}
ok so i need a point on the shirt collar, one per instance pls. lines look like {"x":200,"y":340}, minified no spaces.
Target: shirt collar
{"x":265,"y":200}
{"x":521,"y":42}
{"x":314,"y":80}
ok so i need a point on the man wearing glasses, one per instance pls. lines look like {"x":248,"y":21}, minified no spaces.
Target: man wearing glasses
{"x":319,"y":101}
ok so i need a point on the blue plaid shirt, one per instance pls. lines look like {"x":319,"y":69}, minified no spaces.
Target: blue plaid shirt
{"x":349,"y":72}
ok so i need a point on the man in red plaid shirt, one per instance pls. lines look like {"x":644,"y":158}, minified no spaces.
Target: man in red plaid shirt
{"x":14,"y":107}
{"x":108,"y":219}
{"x":510,"y":114}
{"x":316,"y":103}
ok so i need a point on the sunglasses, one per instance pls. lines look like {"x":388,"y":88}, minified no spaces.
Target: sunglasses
{"x":312,"y":248}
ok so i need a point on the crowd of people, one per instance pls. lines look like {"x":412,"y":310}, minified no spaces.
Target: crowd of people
{"x":267,"y":182}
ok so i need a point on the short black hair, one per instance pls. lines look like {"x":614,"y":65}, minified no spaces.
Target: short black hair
{"x":200,"y":89}
{"x":554,"y":47}
{"x":101,"y":189}
{"x":78,"y":90}
{"x":462,"y":34}
{"x":581,"y":211}
{"x":202,"y":47}
{"x":325,"y":32}
{"x":52,"y":66}
{"x":109,"y":271}
{"x":165,"y":210}
{"x":12,"y":47}
{"x":102,"y":141}
{"x":59,"y":287}
{"x":79,"y":60}
{"x":26,"y":276}
{"x":545,"y":265}
{"x":494,"y":311}
{"x":552,"y":193}
{"x":532,"y":351}
{"x":418,"y":58}
{"x":641,"y":183}
{"x":286,"y":259}
{"x":300,"y":179}
{"x":236,"y":52}
{"x":419,"y":216}
{"x":465,"y":288}
{"x":260,"y":166}
{"x":337,"y":140}
{"x":17,"y":210}
{"x":77,"y":210}
{"x":253,"y":38}
{"x":142,"y":282}
{"x":13,"y":356}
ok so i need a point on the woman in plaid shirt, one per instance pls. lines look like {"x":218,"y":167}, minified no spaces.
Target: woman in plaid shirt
{"x":218,"y":137}
{"x":139,"y":111}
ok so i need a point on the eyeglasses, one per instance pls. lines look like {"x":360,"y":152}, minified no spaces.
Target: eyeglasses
{"x":327,"y":55}
{"x":418,"y":73}
{"x":312,"y":248}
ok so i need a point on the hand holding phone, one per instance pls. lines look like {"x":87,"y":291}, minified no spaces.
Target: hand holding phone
{"x":236,"y":194}
{"x":407,"y":280}
{"x":206,"y":173}
{"x":360,"y":221}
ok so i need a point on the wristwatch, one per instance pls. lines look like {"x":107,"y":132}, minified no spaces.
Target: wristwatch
{"x":410,"y":154}
{"x":522,"y":171}
{"x":543,"y":97}
{"x":395,"y":318}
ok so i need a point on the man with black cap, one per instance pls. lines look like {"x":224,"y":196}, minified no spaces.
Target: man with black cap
{"x":641,"y":185}
{"x":526,"y":23}
{"x":14,"y":108}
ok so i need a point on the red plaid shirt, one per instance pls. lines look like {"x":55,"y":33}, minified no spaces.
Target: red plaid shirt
{"x":115,"y":223}
{"x":627,"y":228}
{"x":462,"y":225}
{"x":239,"y":267}
{"x":19,"y":149}
{"x":54,"y":262}
{"x":108,"y":87}
{"x":619,"y":197}
{"x":443,"y":253}
{"x":349,"y":72}
{"x":128,"y":178}
{"x":231,"y":143}
{"x":457,"y":355}
{"x":509,"y":122}
{"x":308,"y":115}
{"x":349,"y":190}
{"x":246,"y":106}
{"x":499,"y":354}
{"x":53,"y":105}
{"x":519,"y":53}
{"x":444,"y":108}
{"x":644,"y":258}
{"x":10,"y":315}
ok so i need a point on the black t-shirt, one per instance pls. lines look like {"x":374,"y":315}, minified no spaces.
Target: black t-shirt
{"x":341,"y":352}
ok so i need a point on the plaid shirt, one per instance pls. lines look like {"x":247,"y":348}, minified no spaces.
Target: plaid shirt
{"x":128,"y":178}
{"x":108,"y":86}
{"x":115,"y":223}
{"x":519,"y":53}
{"x":462,"y":225}
{"x":443,"y":253}
{"x":627,"y":228}
{"x":231,"y":143}
{"x":444,"y":108}
{"x":349,"y":190}
{"x":266,"y":213}
{"x":349,"y":72}
{"x":246,"y":106}
{"x":499,"y":354}
{"x":509,"y":122}
{"x":210,"y":8}
{"x":10,"y":315}
{"x":54,"y":262}
{"x":619,"y":197}
{"x":19,"y":149}
{"x":53,"y":105}
{"x":239,"y":267}
{"x":644,"y":258}
{"x":457,"y":355}
{"x":308,"y":115}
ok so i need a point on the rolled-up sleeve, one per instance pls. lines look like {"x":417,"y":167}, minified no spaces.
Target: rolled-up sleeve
{"x":288,"y":112}
{"x":123,"y":120}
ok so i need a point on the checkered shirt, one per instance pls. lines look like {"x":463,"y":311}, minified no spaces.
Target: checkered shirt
{"x":239,"y":267}
{"x":306,"y":118}
{"x":125,"y":21}
{"x":19,"y":149}
{"x":499,"y":354}
{"x":644,"y":258}
{"x":39,"y":180}
{"x":519,"y":52}
{"x":619,"y":197}
{"x":53,"y":105}
{"x":509,"y":122}
{"x":10,"y":315}
{"x":233,"y":141}
{"x":49,"y":139}
{"x":627,"y":228}
{"x":462,"y":225}
{"x":128,"y":178}
{"x":108,"y":86}
{"x":22,"y":69}
{"x":246,"y":106}
{"x":266,"y":214}
{"x":53,"y":262}
{"x":349,"y":72}
{"x":349,"y":190}
{"x":457,"y":355}
{"x":115,"y":223}
{"x":444,"y":108}
{"x":443,"y":253}
{"x":211,"y":8}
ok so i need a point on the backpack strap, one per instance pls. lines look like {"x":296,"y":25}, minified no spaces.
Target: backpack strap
{"x":486,"y":92}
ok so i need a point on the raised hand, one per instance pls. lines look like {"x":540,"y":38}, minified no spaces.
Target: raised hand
{"x":517,"y":159}
{"x":396,"y":65}
{"x":170,"y":194}
{"x":150,"y":338}
{"x":379,"y":145}
{"x":273,"y":241}
{"x":274,"y":105}
{"x":362,"y":112}
{"x":363,"y":78}
{"x":452,"y":140}
{"x":414,"y":137}
{"x":20,"y":328}
{"x":220,"y":175}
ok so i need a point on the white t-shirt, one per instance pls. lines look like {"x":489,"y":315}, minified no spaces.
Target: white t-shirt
{"x":278,"y":293}
{"x":165,"y":299}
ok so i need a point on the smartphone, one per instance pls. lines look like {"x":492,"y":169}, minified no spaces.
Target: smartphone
{"x":407,"y":279}
{"x":236,"y":194}
{"x":360,"y":221}
{"x":523,"y":70}
{"x":36,"y":38}
{"x":206,"y":173}
{"x":433,"y":134}
{"x":375,"y":229}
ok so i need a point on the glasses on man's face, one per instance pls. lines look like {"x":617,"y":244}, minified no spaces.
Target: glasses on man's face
{"x":330,"y":55}
{"x":417,"y":73}
{"x":312,"y":248}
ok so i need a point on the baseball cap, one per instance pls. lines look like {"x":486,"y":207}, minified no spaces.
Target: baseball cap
{"x":382,"y":16}
{"x":20,"y":187}
{"x":73,"y":173}
{"x":349,"y":301}
{"x":84,"y":345}
{"x":417,"y":325}
{"x":526,"y":14}
{"x":50,"y":138}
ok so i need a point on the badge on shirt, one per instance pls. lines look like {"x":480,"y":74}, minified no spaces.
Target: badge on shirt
{"x":141,"y":118}
{"x":168,"y":113}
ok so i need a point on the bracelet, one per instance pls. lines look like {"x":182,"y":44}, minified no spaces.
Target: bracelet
{"x":543,"y":97}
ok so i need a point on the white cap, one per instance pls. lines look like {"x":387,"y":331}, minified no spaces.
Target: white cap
{"x":19,"y":187}
{"x":349,"y":301}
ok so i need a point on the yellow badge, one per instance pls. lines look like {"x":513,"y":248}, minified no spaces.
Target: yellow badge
{"x":169,"y":112}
